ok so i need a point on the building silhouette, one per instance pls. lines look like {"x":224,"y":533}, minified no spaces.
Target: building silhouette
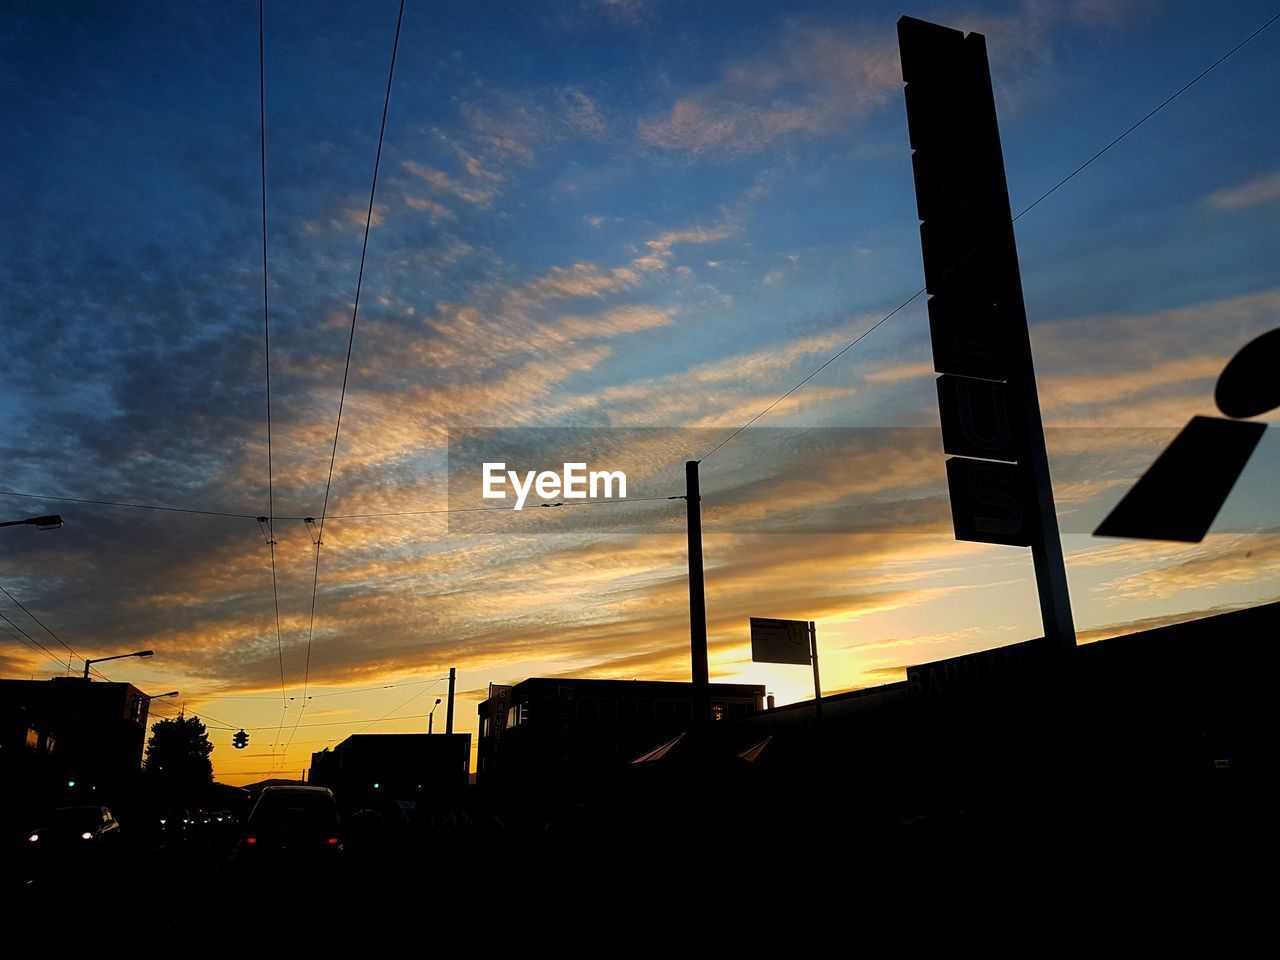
{"x":545,"y":732}
{"x":69,"y":740}
{"x":370,"y":768}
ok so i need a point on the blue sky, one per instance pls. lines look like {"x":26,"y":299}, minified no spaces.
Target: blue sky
{"x":605,"y":214}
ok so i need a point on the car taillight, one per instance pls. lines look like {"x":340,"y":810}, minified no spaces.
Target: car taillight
{"x":251,"y":840}
{"x":333,"y":841}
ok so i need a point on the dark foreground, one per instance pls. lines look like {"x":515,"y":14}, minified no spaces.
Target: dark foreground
{"x":645,"y":866}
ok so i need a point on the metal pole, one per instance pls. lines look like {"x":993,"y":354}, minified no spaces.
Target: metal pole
{"x":448,"y":717}
{"x":1046,"y":542}
{"x":701,"y":673}
{"x":431,"y":717}
{"x":817,"y":683}
{"x":86,"y":668}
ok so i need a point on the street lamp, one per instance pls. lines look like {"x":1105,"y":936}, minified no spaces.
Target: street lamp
{"x":118,"y":656}
{"x":432,"y":716}
{"x":51,"y":522}
{"x":157,"y":696}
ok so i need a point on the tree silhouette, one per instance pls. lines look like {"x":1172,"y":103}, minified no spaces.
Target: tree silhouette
{"x":178,"y":753}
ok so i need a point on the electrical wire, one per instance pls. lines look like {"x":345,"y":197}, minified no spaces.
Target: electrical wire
{"x":46,"y":629}
{"x":133,"y":506}
{"x":338,"y":723}
{"x":346,"y":370}
{"x":339,"y":693}
{"x":27,"y":640}
{"x":438,"y":511}
{"x":266,"y":341}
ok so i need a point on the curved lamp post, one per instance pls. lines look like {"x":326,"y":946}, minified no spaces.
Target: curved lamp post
{"x":118,"y":656}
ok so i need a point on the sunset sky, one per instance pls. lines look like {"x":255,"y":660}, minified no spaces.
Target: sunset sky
{"x":605,"y":214}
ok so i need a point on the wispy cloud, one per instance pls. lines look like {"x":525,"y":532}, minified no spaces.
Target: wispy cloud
{"x":819,"y":80}
{"x":1251,"y":193}
{"x":446,"y":184}
{"x":437,"y":211}
{"x":815,"y":81}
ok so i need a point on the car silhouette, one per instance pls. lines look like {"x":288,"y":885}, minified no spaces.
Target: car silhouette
{"x":293,"y":821}
{"x":75,"y":830}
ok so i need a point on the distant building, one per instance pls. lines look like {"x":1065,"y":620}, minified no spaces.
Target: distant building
{"x":1168,"y":705}
{"x":68,"y":740}
{"x":91,"y":730}
{"x":550,"y":731}
{"x":370,"y":767}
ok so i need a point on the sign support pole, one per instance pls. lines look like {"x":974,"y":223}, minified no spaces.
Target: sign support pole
{"x":701,"y":673}
{"x":448,"y":715}
{"x":817,"y":683}
{"x":1046,"y":542}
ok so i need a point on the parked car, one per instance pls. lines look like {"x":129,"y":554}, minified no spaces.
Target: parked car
{"x":75,"y":830}
{"x":293,"y":821}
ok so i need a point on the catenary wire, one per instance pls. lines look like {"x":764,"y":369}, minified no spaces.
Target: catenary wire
{"x":346,"y":370}
{"x":266,"y":334}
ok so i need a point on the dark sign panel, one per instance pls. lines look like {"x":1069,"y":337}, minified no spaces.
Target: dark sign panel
{"x":968,"y":338}
{"x":780,"y":641}
{"x":998,"y":475}
{"x":988,"y":502}
{"x":971,"y":272}
{"x":977,"y":419}
{"x":499,"y":700}
{"x":1182,"y":492}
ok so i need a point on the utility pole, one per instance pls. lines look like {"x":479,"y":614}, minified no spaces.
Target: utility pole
{"x":697,"y":599}
{"x":817,"y":683}
{"x":448,"y":716}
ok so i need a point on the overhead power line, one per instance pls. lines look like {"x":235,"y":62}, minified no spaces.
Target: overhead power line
{"x":1154,"y":110}
{"x":346,"y":369}
{"x":339,"y":693}
{"x":27,"y":640}
{"x":339,"y":723}
{"x":131,"y":505}
{"x":266,"y":336}
{"x":45,"y":627}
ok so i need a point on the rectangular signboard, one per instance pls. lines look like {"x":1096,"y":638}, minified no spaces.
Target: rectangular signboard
{"x":780,"y":641}
{"x":988,"y":502}
{"x":971,"y":272}
{"x":499,"y":701}
{"x":987,"y":397}
{"x":978,"y":419}
{"x":1182,"y":492}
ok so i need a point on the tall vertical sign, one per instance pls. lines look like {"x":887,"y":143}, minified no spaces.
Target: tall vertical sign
{"x":998,"y":470}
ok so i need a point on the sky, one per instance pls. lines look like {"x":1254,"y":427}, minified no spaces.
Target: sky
{"x":640,"y":219}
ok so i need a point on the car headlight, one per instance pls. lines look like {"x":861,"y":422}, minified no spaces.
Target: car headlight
{"x":86,"y":835}
{"x":33,"y":838}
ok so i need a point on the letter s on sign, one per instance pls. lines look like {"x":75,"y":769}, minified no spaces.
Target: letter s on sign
{"x":987,"y":502}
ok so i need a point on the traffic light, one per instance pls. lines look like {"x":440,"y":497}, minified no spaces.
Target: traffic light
{"x":240,"y":740}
